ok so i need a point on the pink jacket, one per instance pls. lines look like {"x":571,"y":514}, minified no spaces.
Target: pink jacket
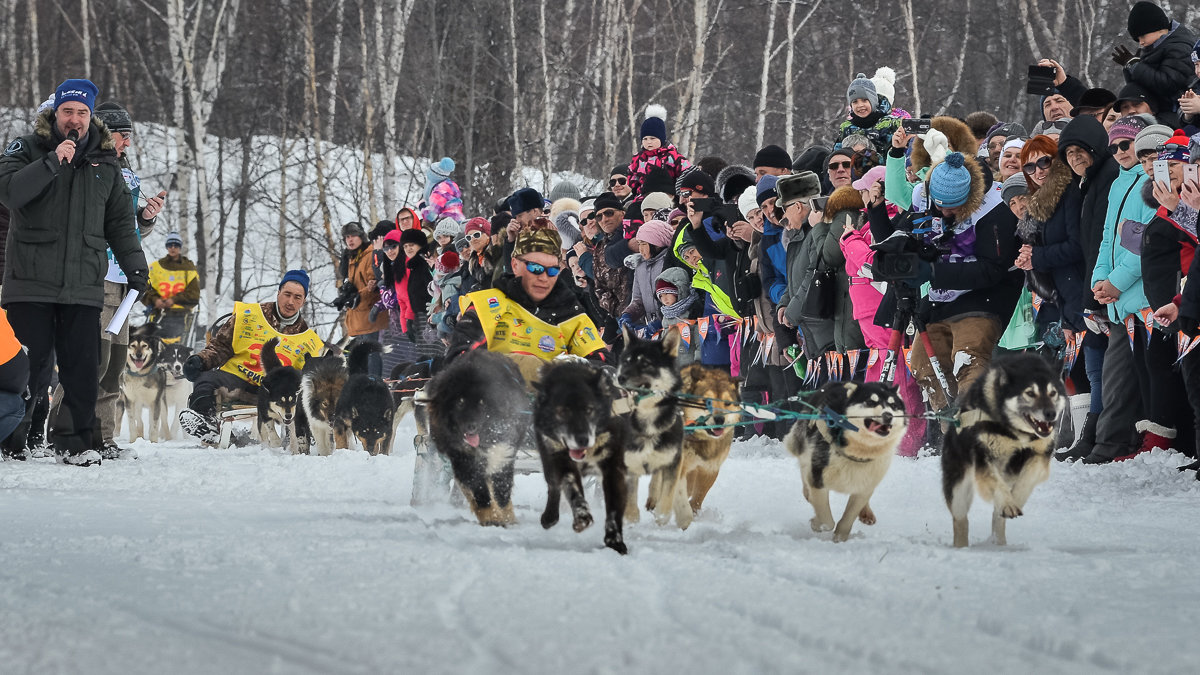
{"x":864,"y":296}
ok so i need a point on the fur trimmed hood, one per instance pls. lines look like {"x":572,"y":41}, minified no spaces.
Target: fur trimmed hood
{"x":1043,"y":203}
{"x":844,"y":198}
{"x":43,"y":126}
{"x":957,"y":132}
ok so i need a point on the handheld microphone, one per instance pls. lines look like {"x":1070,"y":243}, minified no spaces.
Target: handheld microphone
{"x":72,"y":136}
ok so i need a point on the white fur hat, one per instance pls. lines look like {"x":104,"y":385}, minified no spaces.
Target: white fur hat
{"x":748,"y":201}
{"x":885,"y":83}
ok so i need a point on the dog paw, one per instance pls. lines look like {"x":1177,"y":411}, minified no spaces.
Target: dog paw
{"x":662,"y":519}
{"x":839,"y":537}
{"x":866,"y":516}
{"x":616,"y":544}
{"x":819,"y":526}
{"x":650,"y":503}
{"x":549,"y":520}
{"x":1011,"y":512}
{"x":583,"y":521}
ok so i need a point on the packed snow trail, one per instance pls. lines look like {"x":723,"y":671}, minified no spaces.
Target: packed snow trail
{"x":248,"y":561}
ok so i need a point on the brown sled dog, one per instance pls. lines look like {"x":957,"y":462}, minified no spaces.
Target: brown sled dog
{"x":711,"y":397}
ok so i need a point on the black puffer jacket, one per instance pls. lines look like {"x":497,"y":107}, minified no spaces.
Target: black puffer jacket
{"x":1090,"y":135}
{"x":1165,"y":70}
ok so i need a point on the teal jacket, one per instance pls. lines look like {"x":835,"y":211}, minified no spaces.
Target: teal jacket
{"x":1116,"y":263}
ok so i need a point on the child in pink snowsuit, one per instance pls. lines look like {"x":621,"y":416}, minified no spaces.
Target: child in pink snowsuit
{"x":656,"y":151}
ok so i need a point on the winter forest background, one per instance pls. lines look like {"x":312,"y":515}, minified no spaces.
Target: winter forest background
{"x":309,"y":113}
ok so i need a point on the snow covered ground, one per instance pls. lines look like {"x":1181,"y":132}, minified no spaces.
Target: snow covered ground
{"x":246,"y":561}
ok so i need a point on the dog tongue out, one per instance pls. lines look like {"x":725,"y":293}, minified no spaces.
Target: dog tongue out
{"x":577,"y":454}
{"x":471,"y":440}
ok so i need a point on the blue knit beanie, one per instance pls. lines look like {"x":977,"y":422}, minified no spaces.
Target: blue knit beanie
{"x":298,"y":276}
{"x":766,"y":188}
{"x":76,"y":90}
{"x":950,"y":181}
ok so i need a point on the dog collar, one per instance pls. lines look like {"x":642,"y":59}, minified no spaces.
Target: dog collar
{"x":852,"y":458}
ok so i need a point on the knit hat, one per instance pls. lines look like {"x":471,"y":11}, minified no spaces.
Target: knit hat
{"x":174,"y":238}
{"x":1054,"y":128}
{"x":381,"y":229}
{"x":48,"y":104}
{"x":448,"y":227}
{"x":478,"y":224}
{"x":1176,"y":148}
{"x":115,"y":117}
{"x":663,"y":286}
{"x":1147,"y":17}
{"x":353,"y":229}
{"x":525,"y":199}
{"x":1005,"y":129}
{"x":1017,"y":143}
{"x":862,"y":87}
{"x":675,"y":213}
{"x":732,"y":181}
{"x":656,"y":123}
{"x":447,"y":262}
{"x":773,"y":157}
{"x":697,"y":181}
{"x":876,"y":174}
{"x":950,"y":182}
{"x":1135,"y":93}
{"x":767,"y":187}
{"x":1015,"y":186}
{"x":656,"y":201}
{"x":564,"y":190}
{"x":394,"y":235}
{"x":885,"y":83}
{"x":414,"y":236}
{"x":608,"y":201}
{"x":1151,"y":137}
{"x":1127,"y":128}
{"x":656,"y":233}
{"x":298,"y":276}
{"x":567,"y":224}
{"x":540,"y":237}
{"x":82,"y":91}
{"x":619,"y":170}
{"x":798,"y":187}
{"x":748,"y":201}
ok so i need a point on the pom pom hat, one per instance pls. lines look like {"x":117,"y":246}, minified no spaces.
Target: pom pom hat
{"x":950,"y":182}
{"x":656,"y":123}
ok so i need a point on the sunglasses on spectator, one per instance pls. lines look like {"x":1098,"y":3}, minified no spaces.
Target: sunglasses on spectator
{"x":475,"y":235}
{"x":676,"y":221}
{"x":1119,"y":146}
{"x":391,"y":246}
{"x":834,"y":166}
{"x":536,"y":268}
{"x":1042,"y":163}
{"x":174,"y":245}
{"x":605,"y":213}
{"x":619,"y":180}
{"x":684,"y":194}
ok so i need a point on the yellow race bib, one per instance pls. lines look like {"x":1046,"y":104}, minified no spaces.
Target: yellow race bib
{"x":251,"y":331}
{"x":169,"y":283}
{"x":512,"y":329}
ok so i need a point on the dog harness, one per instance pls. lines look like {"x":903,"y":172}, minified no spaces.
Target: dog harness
{"x":251,"y":331}
{"x":512,"y":329}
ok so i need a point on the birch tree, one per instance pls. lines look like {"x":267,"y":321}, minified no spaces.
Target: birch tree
{"x":391,"y":32}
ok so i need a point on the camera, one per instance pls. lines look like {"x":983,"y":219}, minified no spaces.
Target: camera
{"x":347,"y":298}
{"x":721,"y":214}
{"x":898,"y":258}
{"x":918,"y":125}
{"x":1041,"y":80}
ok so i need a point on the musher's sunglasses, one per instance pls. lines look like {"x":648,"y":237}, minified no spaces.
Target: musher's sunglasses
{"x":536,"y":268}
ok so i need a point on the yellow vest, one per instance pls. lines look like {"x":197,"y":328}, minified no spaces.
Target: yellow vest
{"x":512,"y":329}
{"x":169,"y":283}
{"x":251,"y":330}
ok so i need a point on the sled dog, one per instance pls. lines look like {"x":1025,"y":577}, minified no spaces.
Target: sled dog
{"x":364,"y":408}
{"x":143,"y":384}
{"x":279,"y":403}
{"x":834,"y":456}
{"x":321,"y":385}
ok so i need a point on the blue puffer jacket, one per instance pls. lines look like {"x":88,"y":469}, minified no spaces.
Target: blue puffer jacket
{"x":774,"y":255}
{"x":1118,"y":264}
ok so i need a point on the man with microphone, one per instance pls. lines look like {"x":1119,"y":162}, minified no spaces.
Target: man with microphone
{"x":68,"y":203}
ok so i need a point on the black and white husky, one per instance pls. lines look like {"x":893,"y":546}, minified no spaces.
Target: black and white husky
{"x":364,"y":407}
{"x":1003,"y":442}
{"x":178,"y":388}
{"x":649,"y":367}
{"x":279,"y":403}
{"x":479,"y":415}
{"x":576,"y":433}
{"x":143,"y":384}
{"x":321,"y":385}
{"x":850,"y":453}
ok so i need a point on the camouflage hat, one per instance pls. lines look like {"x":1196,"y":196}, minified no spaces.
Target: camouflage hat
{"x":540,"y":237}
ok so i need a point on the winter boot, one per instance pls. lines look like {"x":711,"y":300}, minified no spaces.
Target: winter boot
{"x":1082,"y":447}
{"x":1154,"y":437}
{"x":110,"y":450}
{"x":200,"y":426}
{"x":85,"y":458}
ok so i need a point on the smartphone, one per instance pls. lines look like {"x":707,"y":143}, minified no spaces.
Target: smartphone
{"x":1191,"y":172}
{"x":1162,"y":172}
{"x":917,"y":125}
{"x":819,"y":203}
{"x":705,"y":204}
{"x":1041,"y":80}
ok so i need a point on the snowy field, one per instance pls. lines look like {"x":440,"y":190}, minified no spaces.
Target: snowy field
{"x":246,"y":561}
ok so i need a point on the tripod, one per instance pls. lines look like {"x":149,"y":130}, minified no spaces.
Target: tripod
{"x":906,"y":310}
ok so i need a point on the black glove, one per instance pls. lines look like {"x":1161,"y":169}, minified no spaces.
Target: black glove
{"x":374,"y":313}
{"x":193,"y":367}
{"x":1190,"y":325}
{"x":1121,"y":55}
{"x":347,"y":298}
{"x":138,"y":282}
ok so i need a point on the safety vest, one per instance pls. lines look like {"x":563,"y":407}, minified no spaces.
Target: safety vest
{"x":251,"y":331}
{"x":512,"y":329}
{"x":169,"y":283}
{"x":9,"y":346}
